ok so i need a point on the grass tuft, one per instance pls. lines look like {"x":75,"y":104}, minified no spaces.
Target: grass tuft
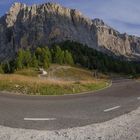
{"x":63,"y":80}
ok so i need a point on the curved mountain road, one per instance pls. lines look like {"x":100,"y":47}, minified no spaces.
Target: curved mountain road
{"x":52,"y":113}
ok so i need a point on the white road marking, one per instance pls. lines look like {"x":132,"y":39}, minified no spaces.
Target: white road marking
{"x":138,"y":98}
{"x":110,"y":109}
{"x":39,"y":119}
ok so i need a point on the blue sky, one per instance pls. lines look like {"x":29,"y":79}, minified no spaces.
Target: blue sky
{"x":123,"y":15}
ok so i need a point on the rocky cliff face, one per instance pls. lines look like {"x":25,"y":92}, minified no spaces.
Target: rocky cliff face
{"x":29,"y":26}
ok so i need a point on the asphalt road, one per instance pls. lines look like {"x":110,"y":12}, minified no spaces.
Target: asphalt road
{"x":53,"y":113}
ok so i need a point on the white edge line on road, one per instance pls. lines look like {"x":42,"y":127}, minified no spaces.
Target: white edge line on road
{"x":39,"y":119}
{"x":110,"y":109}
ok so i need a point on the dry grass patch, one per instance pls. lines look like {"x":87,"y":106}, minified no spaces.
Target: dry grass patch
{"x":36,"y":86}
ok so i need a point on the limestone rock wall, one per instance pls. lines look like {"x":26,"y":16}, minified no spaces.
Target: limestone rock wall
{"x":29,"y":26}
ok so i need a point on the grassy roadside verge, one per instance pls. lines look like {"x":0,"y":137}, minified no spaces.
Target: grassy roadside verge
{"x":34,"y":86}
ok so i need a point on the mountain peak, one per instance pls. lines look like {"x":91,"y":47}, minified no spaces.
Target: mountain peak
{"x":29,"y":26}
{"x":11,"y":16}
{"x":16,"y":6}
{"x":98,"y":22}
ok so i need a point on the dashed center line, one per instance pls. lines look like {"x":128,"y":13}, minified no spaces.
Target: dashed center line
{"x":39,"y":119}
{"x":110,"y":109}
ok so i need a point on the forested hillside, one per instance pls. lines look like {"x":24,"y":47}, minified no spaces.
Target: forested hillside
{"x":70,"y":53}
{"x":92,"y":59}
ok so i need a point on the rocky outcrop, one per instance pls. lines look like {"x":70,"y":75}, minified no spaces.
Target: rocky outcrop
{"x":119,"y":44}
{"x":30,"y":26}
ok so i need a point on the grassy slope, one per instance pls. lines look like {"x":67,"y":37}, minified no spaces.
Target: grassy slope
{"x":32,"y":72}
{"x":61,"y":80}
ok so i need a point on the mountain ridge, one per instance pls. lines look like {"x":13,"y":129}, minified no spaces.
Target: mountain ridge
{"x":30,"y":26}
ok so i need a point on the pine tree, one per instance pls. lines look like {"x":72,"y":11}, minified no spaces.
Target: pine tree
{"x":68,"y":58}
{"x":34,"y":61}
{"x":1,"y":69}
{"x":46,"y":61}
{"x":19,"y":59}
{"x":27,"y":58}
{"x":7,"y":68}
{"x":47,"y":50}
{"x":58,"y":55}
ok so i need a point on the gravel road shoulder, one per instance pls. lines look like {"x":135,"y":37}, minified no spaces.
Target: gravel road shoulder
{"x":126,"y":127}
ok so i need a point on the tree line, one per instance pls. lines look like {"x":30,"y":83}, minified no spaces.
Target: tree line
{"x":40,"y":57}
{"x":92,"y":59}
{"x":70,"y":53}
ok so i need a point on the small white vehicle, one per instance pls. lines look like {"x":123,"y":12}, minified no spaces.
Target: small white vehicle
{"x":43,"y":72}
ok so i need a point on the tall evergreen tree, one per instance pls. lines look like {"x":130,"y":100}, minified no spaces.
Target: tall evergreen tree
{"x":34,"y":61}
{"x":47,"y":50}
{"x":19,"y":59}
{"x":45,"y":59}
{"x":68,"y":58}
{"x":1,"y":69}
{"x":27,"y":58}
{"x":58,"y":55}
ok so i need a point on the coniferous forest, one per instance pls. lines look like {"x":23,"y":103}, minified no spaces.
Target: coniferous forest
{"x":92,"y":59}
{"x":70,"y":53}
